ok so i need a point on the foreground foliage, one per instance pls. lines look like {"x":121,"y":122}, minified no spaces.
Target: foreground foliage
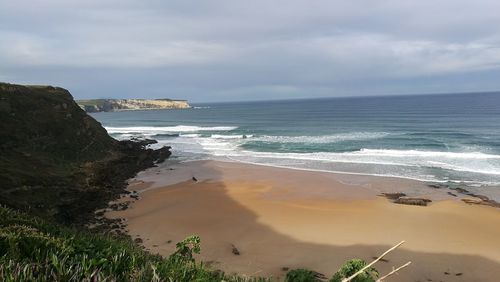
{"x":32,"y":249}
{"x":301,"y":275}
{"x":353,"y":266}
{"x":35,"y":250}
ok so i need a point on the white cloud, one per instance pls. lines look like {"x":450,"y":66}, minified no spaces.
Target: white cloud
{"x":220,"y":47}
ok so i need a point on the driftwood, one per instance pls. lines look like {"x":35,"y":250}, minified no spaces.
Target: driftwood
{"x":375,"y":261}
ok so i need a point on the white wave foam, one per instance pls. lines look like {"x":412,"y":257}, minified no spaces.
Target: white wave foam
{"x":221,"y":136}
{"x":402,"y":160}
{"x":303,"y":139}
{"x":353,"y":136}
{"x":169,"y":129}
{"x":426,"y":154}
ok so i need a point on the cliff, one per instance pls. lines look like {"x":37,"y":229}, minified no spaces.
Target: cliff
{"x":57,"y":161}
{"x":110,"y":105}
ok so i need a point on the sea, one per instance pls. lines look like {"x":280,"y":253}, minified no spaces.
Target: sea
{"x":452,"y":138}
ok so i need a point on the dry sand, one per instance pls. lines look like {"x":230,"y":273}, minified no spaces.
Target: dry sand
{"x":288,"y":218}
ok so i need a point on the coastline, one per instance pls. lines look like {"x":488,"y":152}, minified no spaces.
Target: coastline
{"x":282,"y":218}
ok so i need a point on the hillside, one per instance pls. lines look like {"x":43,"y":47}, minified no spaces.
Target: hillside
{"x":57,"y":161}
{"x":110,"y":105}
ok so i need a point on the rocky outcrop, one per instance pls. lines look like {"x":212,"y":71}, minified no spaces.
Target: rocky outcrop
{"x":56,"y":160}
{"x":401,"y":198}
{"x":110,"y":105}
{"x":412,"y":201}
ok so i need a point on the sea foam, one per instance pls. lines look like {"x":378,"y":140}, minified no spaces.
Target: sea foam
{"x":160,"y":129}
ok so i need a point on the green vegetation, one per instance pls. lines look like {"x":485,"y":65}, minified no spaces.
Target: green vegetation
{"x":348,"y":269}
{"x":36,"y":250}
{"x":301,"y":275}
{"x":92,"y":102}
{"x":353,"y":266}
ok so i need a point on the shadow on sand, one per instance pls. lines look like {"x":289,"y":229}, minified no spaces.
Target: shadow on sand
{"x":169,"y":214}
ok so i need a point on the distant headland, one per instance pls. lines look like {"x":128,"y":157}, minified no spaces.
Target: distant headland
{"x":112,"y":105}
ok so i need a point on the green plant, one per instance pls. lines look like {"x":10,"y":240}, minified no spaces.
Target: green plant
{"x":353,"y":266}
{"x":301,"y":275}
{"x":186,"y":248}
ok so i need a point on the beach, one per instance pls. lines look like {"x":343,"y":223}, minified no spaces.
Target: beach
{"x":279,"y":219}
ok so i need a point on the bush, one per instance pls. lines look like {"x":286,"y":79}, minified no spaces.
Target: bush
{"x":353,"y":266}
{"x":301,"y":275}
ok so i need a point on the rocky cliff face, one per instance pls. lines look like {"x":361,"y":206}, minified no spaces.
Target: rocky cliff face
{"x":58,"y":161}
{"x":109,"y":105}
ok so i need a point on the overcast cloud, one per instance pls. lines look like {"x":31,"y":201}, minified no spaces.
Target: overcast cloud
{"x":251,"y":50}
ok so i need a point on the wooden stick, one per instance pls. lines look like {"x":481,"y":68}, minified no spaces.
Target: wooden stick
{"x":393,"y":271}
{"x":372,"y":263}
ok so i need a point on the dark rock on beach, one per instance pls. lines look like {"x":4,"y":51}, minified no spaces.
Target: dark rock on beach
{"x":393,"y":196}
{"x":234,"y":250}
{"x":401,"y":198}
{"x":452,"y":194}
{"x":485,"y":201}
{"x":412,"y":201}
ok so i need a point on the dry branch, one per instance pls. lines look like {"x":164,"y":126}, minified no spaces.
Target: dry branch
{"x":372,"y":263}
{"x":393,"y":271}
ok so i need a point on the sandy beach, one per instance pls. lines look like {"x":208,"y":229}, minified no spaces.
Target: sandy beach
{"x":281,"y":218}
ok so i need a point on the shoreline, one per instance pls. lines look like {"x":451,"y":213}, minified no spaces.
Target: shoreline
{"x":492,"y":192}
{"x":284,"y":218}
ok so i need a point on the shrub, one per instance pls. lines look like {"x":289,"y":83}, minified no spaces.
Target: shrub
{"x":353,"y":266}
{"x":301,"y":275}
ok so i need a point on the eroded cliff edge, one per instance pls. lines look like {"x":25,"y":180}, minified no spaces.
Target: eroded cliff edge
{"x":58,"y":162}
{"x":111,"y":105}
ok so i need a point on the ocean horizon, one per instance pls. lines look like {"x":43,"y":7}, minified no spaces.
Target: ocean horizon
{"x":453,"y":138}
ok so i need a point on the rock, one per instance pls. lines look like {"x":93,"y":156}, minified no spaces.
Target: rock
{"x":461,"y":190}
{"x":134,"y":195}
{"x":285,"y":268}
{"x":393,"y":196}
{"x":234,"y":250}
{"x":162,"y":154}
{"x":437,"y":185}
{"x":138,"y":240}
{"x":485,"y":202}
{"x":412,"y":201}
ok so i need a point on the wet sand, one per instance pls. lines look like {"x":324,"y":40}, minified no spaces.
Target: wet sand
{"x":280,"y":218}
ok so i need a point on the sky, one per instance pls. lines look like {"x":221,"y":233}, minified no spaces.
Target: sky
{"x":231,"y":50}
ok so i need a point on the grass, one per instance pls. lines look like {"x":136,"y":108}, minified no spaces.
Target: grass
{"x":33,"y":249}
